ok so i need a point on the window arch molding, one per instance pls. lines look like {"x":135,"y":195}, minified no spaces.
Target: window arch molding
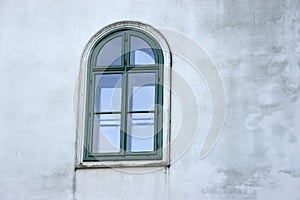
{"x":89,"y":58}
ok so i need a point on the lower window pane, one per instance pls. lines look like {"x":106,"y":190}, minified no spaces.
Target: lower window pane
{"x":106,"y":133}
{"x":140,"y":132}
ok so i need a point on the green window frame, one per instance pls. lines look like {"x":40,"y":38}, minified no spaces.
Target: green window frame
{"x":125,"y":68}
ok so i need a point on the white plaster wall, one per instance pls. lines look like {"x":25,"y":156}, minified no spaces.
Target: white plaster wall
{"x":256,"y":47}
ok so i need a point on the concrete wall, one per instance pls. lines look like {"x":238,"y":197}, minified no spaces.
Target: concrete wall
{"x":255,"y":45}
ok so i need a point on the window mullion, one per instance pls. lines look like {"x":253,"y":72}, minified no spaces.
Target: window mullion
{"x":124,"y":113}
{"x":124,"y":94}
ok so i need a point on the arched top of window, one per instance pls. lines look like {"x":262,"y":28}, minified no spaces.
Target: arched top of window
{"x":110,"y":53}
{"x":126,"y":47}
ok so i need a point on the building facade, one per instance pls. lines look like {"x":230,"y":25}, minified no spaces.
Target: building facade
{"x":226,"y":100}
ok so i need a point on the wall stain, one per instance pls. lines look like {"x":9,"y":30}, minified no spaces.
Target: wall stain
{"x":292,"y":173}
{"x":238,"y":185}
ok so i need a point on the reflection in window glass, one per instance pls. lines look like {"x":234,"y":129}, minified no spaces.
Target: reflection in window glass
{"x":108,"y":93}
{"x":106,"y":133}
{"x":140,"y":52}
{"x":140,"y":132}
{"x":110,"y":53}
{"x":140,"y":121}
{"x":141,"y":91}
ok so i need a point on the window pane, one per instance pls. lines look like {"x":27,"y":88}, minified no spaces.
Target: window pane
{"x":140,"y":132}
{"x":106,"y":133}
{"x":140,"y":52}
{"x":141,"y":91}
{"x":108,"y":89}
{"x":111,"y":52}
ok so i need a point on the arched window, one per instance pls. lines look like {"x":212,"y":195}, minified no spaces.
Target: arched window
{"x":125,"y":94}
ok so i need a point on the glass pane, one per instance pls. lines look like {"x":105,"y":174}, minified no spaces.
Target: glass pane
{"x":140,"y":132}
{"x":106,"y":133}
{"x":111,"y":52}
{"x":141,"y":91}
{"x":140,"y":52}
{"x":108,"y":89}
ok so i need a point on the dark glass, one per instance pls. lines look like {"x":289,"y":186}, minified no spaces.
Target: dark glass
{"x":110,"y":53}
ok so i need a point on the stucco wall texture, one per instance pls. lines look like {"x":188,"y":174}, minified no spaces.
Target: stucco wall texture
{"x":254,"y":43}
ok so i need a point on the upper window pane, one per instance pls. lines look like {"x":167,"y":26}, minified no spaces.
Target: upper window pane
{"x":141,"y":91}
{"x":108,"y":93}
{"x":111,"y":53}
{"x":140,"y":52}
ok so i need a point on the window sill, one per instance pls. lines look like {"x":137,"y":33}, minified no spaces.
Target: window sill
{"x":121,"y":164}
